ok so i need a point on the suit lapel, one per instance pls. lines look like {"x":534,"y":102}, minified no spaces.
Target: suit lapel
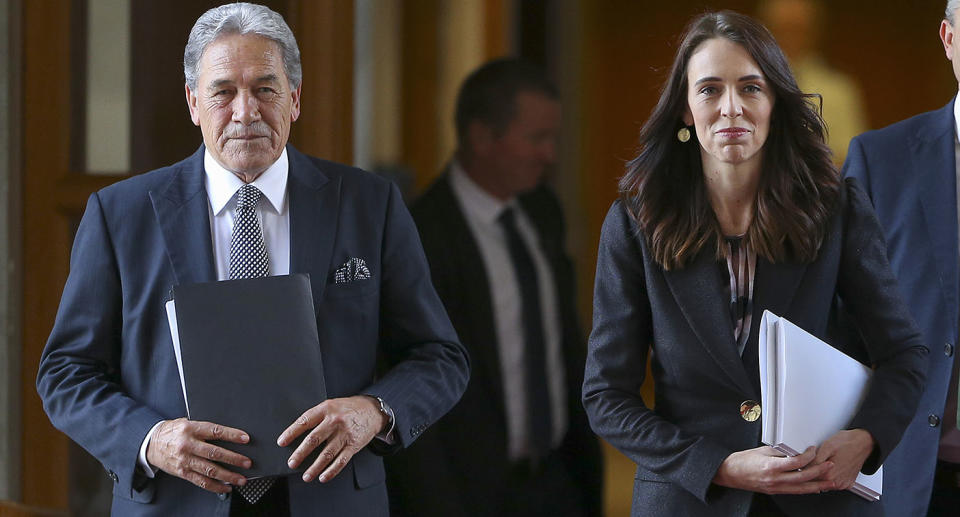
{"x":774,"y":288}
{"x":699,"y":291}
{"x":314,"y":212}
{"x":935,"y":167}
{"x":475,"y":289}
{"x":182,"y":213}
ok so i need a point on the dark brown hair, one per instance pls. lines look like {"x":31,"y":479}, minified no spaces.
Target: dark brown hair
{"x":489,"y":95}
{"x":664,"y":188}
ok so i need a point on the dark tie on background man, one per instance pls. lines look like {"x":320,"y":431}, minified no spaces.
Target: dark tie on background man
{"x":248,"y":259}
{"x":534,"y":357}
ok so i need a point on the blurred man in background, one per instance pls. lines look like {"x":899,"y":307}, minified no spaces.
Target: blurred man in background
{"x":518,"y":443}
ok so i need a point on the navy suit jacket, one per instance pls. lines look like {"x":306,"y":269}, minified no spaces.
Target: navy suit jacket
{"x":683,"y":317}
{"x":909,"y":172}
{"x":108,"y":372}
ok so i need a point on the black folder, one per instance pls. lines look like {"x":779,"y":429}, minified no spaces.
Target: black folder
{"x":250,"y":359}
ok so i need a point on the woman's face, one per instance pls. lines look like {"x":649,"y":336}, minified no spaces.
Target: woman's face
{"x":728,"y":102}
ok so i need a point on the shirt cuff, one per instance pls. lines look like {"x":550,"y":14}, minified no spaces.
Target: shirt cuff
{"x":388,"y":434}
{"x":142,"y":462}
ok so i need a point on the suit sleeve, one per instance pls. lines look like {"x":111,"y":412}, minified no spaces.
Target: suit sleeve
{"x":428,"y":368}
{"x":79,"y":379}
{"x":616,"y":364}
{"x":894,"y":343}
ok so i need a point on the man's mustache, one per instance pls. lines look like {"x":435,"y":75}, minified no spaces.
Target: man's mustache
{"x":257,"y":129}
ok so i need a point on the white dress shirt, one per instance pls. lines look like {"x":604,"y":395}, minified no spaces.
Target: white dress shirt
{"x":222,"y":186}
{"x":481,"y":211}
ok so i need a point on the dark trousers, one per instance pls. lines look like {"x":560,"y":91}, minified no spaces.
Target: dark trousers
{"x":543,"y":489}
{"x":945,"y":499}
{"x":763,"y":506}
{"x":274,"y":503}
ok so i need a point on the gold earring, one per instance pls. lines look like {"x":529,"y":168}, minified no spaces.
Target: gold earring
{"x":683,"y":135}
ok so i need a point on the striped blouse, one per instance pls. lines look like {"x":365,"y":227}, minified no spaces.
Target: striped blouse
{"x":741,"y":266}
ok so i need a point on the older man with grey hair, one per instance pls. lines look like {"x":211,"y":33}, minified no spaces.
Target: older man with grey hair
{"x":392,"y":362}
{"x":910,"y":171}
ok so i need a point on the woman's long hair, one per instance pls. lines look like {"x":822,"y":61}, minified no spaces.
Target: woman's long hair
{"x":664,"y":189}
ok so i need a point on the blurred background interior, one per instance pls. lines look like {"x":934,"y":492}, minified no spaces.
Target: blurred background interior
{"x":91,"y":91}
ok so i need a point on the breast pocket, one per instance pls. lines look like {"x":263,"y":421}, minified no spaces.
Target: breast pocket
{"x":348,"y":325}
{"x":352,"y":289}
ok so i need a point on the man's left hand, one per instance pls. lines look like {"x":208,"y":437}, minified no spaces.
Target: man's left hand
{"x":345,"y":424}
{"x":847,"y":450}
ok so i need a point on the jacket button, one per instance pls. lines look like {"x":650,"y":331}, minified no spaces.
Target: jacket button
{"x":750,"y":410}
{"x":948,"y":350}
{"x":933,"y":420}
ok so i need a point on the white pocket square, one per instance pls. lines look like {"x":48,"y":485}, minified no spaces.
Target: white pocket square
{"x":353,"y":269}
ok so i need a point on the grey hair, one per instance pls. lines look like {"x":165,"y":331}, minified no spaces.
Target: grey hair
{"x":241,"y":18}
{"x":951,"y":8}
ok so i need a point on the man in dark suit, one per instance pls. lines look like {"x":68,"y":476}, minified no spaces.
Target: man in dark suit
{"x":909,"y":170}
{"x":518,"y":443}
{"x":247,"y":204}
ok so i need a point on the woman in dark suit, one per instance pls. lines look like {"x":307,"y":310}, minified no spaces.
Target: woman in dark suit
{"x":733,"y":206}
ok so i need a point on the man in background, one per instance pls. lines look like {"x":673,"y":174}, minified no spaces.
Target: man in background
{"x":518,"y":443}
{"x":909,"y":170}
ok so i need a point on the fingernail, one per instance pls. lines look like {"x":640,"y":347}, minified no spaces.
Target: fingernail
{"x":306,"y":478}
{"x":280,"y":441}
{"x":322,"y":479}
{"x":291,"y":463}
{"x":241,"y":482}
{"x":244,"y":438}
{"x":247,"y":464}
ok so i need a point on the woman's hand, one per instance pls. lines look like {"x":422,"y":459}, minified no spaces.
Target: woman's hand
{"x":765,"y":470}
{"x":847,"y":450}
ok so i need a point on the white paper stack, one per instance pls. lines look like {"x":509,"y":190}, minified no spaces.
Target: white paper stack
{"x":809,"y":390}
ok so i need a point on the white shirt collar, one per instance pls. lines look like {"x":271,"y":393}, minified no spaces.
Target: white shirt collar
{"x":477,"y":203}
{"x":956,"y":117}
{"x":222,"y":185}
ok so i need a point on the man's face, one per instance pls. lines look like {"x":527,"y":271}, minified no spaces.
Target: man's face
{"x":950,"y":45}
{"x":243,"y":103}
{"x":515,"y":161}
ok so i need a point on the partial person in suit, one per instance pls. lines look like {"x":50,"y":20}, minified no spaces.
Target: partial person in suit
{"x":108,"y":377}
{"x":733,"y":206}
{"x":518,"y":443}
{"x":909,"y":171}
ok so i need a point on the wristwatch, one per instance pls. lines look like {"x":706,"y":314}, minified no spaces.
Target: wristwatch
{"x":386,"y":411}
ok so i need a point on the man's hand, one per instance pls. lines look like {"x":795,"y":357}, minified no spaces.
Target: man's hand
{"x":179,"y":447}
{"x":345,"y":424}
{"x":765,"y":470}
{"x":847,"y":450}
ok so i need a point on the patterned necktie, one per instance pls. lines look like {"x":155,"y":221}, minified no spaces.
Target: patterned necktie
{"x":248,"y":259}
{"x":248,"y":254}
{"x":539,"y":425}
